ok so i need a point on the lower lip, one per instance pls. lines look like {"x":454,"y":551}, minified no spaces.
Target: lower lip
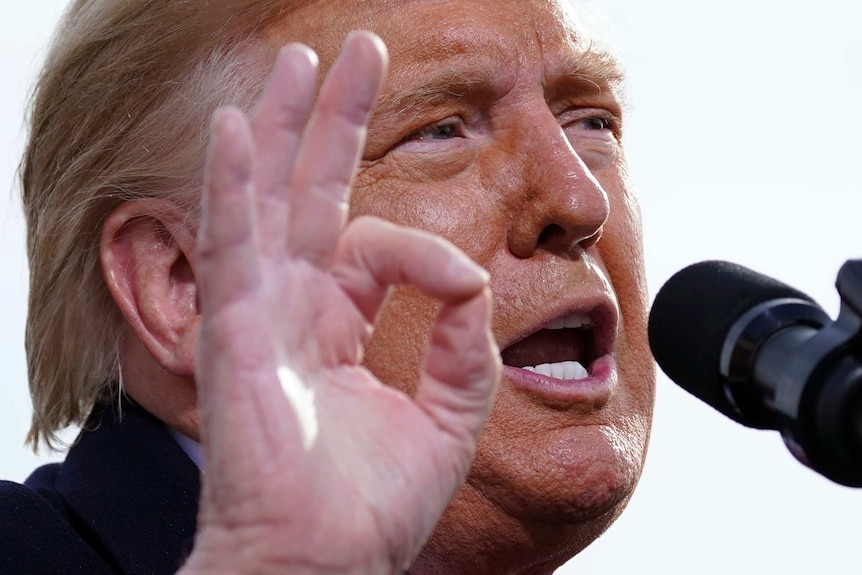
{"x":593,"y":391}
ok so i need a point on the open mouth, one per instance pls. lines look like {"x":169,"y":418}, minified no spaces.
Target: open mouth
{"x":564,"y":349}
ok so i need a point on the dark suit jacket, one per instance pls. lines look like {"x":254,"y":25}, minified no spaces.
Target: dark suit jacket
{"x":124,"y":501}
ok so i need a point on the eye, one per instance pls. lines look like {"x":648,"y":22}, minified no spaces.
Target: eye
{"x":591,"y":123}
{"x":594,"y":124}
{"x":442,"y":131}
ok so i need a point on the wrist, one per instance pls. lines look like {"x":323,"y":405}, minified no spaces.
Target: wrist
{"x":218,"y":552}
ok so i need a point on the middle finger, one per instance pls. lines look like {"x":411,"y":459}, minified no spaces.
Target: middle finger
{"x":330,"y":151}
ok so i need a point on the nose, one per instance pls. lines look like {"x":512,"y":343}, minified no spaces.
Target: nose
{"x":560,"y":206}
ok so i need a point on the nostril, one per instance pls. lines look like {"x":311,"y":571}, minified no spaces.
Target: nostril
{"x":555,"y":238}
{"x":552,"y":234}
{"x":591,"y":240}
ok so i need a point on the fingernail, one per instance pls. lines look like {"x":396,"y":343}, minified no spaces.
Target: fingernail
{"x":463,"y":267}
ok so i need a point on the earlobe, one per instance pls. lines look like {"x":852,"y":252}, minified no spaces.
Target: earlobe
{"x":145,"y":248}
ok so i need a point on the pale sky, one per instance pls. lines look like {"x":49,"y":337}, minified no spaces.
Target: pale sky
{"x":743,"y":145}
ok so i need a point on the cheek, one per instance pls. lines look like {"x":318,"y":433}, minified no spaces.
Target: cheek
{"x":396,"y":348}
{"x":455,"y":206}
{"x":621,"y":248}
{"x":395,"y":351}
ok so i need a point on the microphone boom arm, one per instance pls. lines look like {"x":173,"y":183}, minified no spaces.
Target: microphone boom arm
{"x":787,"y":366}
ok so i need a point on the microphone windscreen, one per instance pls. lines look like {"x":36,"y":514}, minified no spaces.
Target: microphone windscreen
{"x":691,"y":317}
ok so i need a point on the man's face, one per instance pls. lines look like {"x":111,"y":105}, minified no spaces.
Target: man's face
{"x":499,"y":130}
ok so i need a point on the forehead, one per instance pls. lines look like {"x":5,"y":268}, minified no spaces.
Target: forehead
{"x":440,"y":29}
{"x":490,"y":35}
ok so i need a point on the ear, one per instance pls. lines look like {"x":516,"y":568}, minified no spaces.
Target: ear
{"x":145,"y":248}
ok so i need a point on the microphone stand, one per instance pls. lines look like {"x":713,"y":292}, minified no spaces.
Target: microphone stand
{"x":809,"y":372}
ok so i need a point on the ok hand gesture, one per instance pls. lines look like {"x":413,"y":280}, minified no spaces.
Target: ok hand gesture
{"x":311,"y":464}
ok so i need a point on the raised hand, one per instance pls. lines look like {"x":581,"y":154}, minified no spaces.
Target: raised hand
{"x":311,"y":464}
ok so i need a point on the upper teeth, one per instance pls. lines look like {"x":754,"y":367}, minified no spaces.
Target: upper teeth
{"x":570,"y":321}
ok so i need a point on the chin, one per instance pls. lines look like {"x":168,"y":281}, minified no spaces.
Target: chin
{"x":565,"y":476}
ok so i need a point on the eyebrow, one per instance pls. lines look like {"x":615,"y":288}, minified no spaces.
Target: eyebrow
{"x":590,"y":69}
{"x":450,"y":84}
{"x":593,"y":66}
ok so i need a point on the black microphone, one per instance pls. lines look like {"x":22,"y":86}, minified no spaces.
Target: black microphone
{"x":767,"y":356}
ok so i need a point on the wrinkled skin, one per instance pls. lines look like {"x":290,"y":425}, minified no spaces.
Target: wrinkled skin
{"x":500,"y":131}
{"x":510,"y":168}
{"x":295,"y":458}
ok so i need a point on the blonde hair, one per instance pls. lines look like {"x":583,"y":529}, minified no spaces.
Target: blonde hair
{"x":121,"y":111}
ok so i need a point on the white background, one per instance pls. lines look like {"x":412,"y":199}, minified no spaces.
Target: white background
{"x":743,"y":141}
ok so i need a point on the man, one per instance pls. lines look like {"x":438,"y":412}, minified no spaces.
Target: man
{"x":246,"y":322}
